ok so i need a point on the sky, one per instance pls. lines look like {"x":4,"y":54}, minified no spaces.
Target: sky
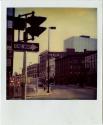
{"x":68,"y":22}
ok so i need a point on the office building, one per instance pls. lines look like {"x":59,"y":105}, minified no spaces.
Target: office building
{"x":33,"y":71}
{"x":79,"y":43}
{"x":78,"y":68}
{"x":43,"y":58}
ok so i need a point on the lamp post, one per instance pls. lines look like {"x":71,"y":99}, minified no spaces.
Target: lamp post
{"x":49,"y":28}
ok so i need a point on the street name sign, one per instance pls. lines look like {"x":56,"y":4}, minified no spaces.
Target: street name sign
{"x":22,"y":47}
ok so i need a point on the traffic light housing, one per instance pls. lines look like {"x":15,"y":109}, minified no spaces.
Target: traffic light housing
{"x":19,"y":23}
{"x":35,"y":29}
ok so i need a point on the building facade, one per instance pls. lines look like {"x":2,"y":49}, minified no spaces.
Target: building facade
{"x":73,"y":69}
{"x":33,"y":71}
{"x":43,"y":58}
{"x":80,"y":43}
{"x":70,"y":69}
{"x":91,"y":68}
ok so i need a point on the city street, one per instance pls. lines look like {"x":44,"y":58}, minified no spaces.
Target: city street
{"x":64,"y":92}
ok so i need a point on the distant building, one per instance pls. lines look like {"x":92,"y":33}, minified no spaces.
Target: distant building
{"x":76,"y":68}
{"x":43,"y":61}
{"x":33,"y":71}
{"x":80,"y":43}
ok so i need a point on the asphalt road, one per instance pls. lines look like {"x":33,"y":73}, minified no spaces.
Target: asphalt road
{"x":64,"y":93}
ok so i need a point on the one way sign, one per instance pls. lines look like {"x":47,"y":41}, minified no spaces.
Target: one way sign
{"x":21,"y":47}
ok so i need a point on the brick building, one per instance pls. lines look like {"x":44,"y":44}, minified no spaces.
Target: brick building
{"x":33,"y":71}
{"x":43,"y":57}
{"x":72,"y":68}
{"x":91,"y":68}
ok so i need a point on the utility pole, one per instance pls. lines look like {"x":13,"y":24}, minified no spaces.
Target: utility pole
{"x":49,"y":28}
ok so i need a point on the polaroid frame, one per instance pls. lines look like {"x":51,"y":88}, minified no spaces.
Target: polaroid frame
{"x":62,"y":112}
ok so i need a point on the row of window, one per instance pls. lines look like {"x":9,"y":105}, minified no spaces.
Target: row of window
{"x":33,"y":75}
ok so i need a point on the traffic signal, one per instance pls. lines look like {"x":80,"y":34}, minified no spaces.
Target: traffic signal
{"x":35,"y":29}
{"x":19,"y":23}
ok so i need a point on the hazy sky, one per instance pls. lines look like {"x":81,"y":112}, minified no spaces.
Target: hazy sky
{"x":68,"y":22}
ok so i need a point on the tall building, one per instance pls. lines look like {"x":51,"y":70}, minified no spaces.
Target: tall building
{"x":77,"y":68}
{"x":10,"y":39}
{"x":80,"y":43}
{"x":70,"y":69}
{"x":43,"y":58}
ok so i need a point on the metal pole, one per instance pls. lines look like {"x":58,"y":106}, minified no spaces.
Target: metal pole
{"x":24,"y":65}
{"x":25,"y":76}
{"x":19,"y":32}
{"x":48,"y":56}
{"x":49,"y":28}
{"x":25,"y":41}
{"x":18,"y":35}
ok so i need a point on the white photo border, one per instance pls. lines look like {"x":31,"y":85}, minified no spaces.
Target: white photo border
{"x":52,"y":112}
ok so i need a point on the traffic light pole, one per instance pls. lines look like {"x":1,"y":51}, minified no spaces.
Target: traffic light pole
{"x":24,"y":57}
{"x":25,"y":69}
{"x":49,"y":28}
{"x":19,"y":32}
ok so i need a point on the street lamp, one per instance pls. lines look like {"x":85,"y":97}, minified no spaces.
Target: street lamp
{"x":49,"y":28}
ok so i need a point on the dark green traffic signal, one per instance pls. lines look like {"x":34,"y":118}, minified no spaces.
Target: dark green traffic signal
{"x":35,"y":20}
{"x":19,"y":23}
{"x":35,"y":29}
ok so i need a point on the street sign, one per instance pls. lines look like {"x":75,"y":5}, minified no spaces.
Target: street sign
{"x":21,"y":47}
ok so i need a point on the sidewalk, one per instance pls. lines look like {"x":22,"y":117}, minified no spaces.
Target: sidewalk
{"x":63,"y":93}
{"x":39,"y":93}
{"x":60,"y":93}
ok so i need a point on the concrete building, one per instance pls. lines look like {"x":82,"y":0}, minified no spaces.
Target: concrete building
{"x":33,"y":71}
{"x":80,"y":43}
{"x":43,"y":57}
